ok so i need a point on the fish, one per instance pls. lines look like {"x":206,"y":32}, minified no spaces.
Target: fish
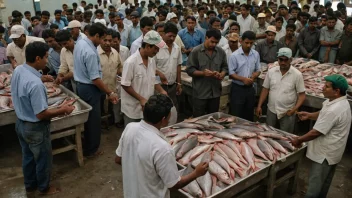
{"x":214,"y":188}
{"x":241,"y":171}
{"x":273,"y":134}
{"x":187,"y":130}
{"x":219,"y":150}
{"x":264,"y":126}
{"x":170,"y":134}
{"x":191,"y":142}
{"x":176,"y":147}
{"x":222,"y":120}
{"x":178,"y":138}
{"x":193,"y":189}
{"x":249,"y":127}
{"x":277,"y":145}
{"x":207,"y":157}
{"x":54,"y":101}
{"x":286,"y":144}
{"x":243,"y":133}
{"x":234,"y":147}
{"x":223,"y":163}
{"x":5,"y":102}
{"x":205,"y":182}
{"x":226,"y":135}
{"x":203,"y":139}
{"x":191,"y":120}
{"x":247,"y":153}
{"x":265,"y":149}
{"x":275,"y":153}
{"x":214,"y":125}
{"x":188,"y":125}
{"x":199,"y":150}
{"x":203,"y":122}
{"x":185,"y":159}
{"x":57,"y":91}
{"x":221,"y":184}
{"x":220,"y":173}
{"x":198,"y":160}
{"x":254,"y":146}
{"x":231,"y":154}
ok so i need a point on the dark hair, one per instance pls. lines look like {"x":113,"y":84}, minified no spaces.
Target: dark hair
{"x":292,"y":19}
{"x":84,"y":2}
{"x":63,"y":35}
{"x":348,"y":21}
{"x":153,"y":18}
{"x":324,"y":16}
{"x":97,"y":28}
{"x":163,"y":12}
{"x":116,"y":34}
{"x":295,"y":8}
{"x":46,"y":13}
{"x":328,"y":4}
{"x":78,"y":12}
{"x":192,"y":18}
{"x":111,"y":14}
{"x":57,"y":12}
{"x":158,"y":107}
{"x":211,"y":12}
{"x":128,"y":11}
{"x":246,"y":6}
{"x":279,"y":18}
{"x":64,"y":5}
{"x":34,"y":18}
{"x":2,"y":29}
{"x":54,"y":26}
{"x":313,"y":19}
{"x":332,"y":18}
{"x":87,"y":27}
{"x":16,"y":14}
{"x":27,"y":12}
{"x":235,"y":24}
{"x":111,"y":7}
{"x":48,"y":33}
{"x":110,"y":32}
{"x":18,"y":20}
{"x":99,"y":11}
{"x":88,"y":13}
{"x":214,"y":19}
{"x":159,"y":25}
{"x":74,"y":5}
{"x":35,"y":49}
{"x":342,"y":91}
{"x":250,"y":35}
{"x":146,"y":21}
{"x":304,"y":14}
{"x":69,"y":11}
{"x":170,"y":27}
{"x":213,"y":33}
{"x":306,"y":7}
{"x":228,"y":5}
{"x":200,"y":8}
{"x":293,"y":26}
{"x":340,"y":6}
{"x":337,"y":14}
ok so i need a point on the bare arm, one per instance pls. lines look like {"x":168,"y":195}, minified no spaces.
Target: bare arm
{"x":185,"y":180}
{"x":47,"y":114}
{"x":118,"y":160}
{"x":12,"y":61}
{"x":300,"y":100}
{"x":263,"y":95}
{"x":132,"y":92}
{"x":311,"y":135}
{"x":100,"y":84}
{"x":255,"y":75}
{"x":159,"y":89}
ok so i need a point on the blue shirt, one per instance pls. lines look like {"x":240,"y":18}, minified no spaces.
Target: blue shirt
{"x":60,"y":23}
{"x":54,"y":60}
{"x":243,"y":65}
{"x":86,"y":62}
{"x":135,"y":32}
{"x":28,"y":92}
{"x":191,"y":40}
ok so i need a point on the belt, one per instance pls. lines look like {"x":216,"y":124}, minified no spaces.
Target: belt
{"x":243,"y":86}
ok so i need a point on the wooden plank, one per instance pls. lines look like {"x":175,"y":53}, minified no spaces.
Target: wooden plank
{"x":282,"y":179}
{"x":292,"y":185}
{"x":64,"y":149}
{"x":62,"y":134}
{"x":79,"y":150}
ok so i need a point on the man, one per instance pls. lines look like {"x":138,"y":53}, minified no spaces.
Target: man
{"x":327,"y":140}
{"x":282,"y":84}
{"x":322,"y":21}
{"x":24,"y":22}
{"x":207,"y":65}
{"x":141,"y":9}
{"x":283,"y":13}
{"x":245,"y":20}
{"x":244,"y":68}
{"x":162,"y":16}
{"x":54,"y":52}
{"x":190,"y":37}
{"x":58,"y":20}
{"x":201,"y":20}
{"x":150,"y":12}
{"x":301,"y":23}
{"x":260,"y":27}
{"x":329,"y":40}
{"x":74,"y":7}
{"x":344,"y":55}
{"x":87,"y":16}
{"x":82,"y":6}
{"x":280,"y":30}
{"x":308,"y":40}
{"x":44,"y":24}
{"x":111,"y":66}
{"x":168,"y":62}
{"x":27,"y":15}
{"x":148,"y":161}
{"x":289,"y":40}
{"x":112,"y":24}
{"x":87,"y":73}
{"x":124,"y":6}
{"x":135,"y":29}
{"x":138,"y":78}
{"x":215,"y":23}
{"x":122,"y":29}
{"x":69,"y":15}
{"x":232,"y":45}
{"x":15,"y":51}
{"x":146,"y":25}
{"x":78,"y":16}
{"x":30,"y":101}
{"x":65,"y":73}
{"x":295,"y":11}
{"x":127,"y":21}
{"x":75,"y":30}
{"x":269,"y":47}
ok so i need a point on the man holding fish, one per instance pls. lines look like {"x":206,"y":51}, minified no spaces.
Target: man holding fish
{"x":327,"y":140}
{"x":148,"y":162}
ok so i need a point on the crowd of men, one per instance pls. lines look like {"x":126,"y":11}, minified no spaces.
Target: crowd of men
{"x":122,"y":54}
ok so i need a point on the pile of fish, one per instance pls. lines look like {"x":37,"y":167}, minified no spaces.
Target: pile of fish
{"x":233,"y":150}
{"x":313,"y":73}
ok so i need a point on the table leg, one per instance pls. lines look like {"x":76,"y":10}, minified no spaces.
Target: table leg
{"x":271,"y":183}
{"x":292,"y":185}
{"x":79,"y":150}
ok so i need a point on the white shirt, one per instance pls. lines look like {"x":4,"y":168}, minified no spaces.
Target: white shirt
{"x":339,"y":25}
{"x":123,"y":8}
{"x":112,"y":27}
{"x":127,"y":22}
{"x":141,"y":79}
{"x":20,"y":53}
{"x":245,"y":23}
{"x":228,"y":52}
{"x":124,"y":53}
{"x":136,"y":44}
{"x":280,"y":34}
{"x":223,"y":41}
{"x":123,"y":34}
{"x":167,"y":62}
{"x":334,"y":122}
{"x":283,"y":89}
{"x":81,"y":8}
{"x":148,"y":162}
{"x":148,"y":14}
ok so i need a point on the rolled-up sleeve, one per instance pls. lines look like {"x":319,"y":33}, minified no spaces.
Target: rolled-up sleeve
{"x":63,"y":69}
{"x":166,"y":168}
{"x":92,"y":64}
{"x":192,"y":63}
{"x":38,"y":98}
{"x":127,"y":74}
{"x":257,"y":63}
{"x":266,"y":83}
{"x":224,"y":65}
{"x":300,"y":84}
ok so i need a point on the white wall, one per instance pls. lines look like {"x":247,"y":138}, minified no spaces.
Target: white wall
{"x":20,"y":5}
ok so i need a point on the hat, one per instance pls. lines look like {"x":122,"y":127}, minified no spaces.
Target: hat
{"x":74,"y":23}
{"x":283,"y":6}
{"x":338,"y":81}
{"x":17,"y":31}
{"x":154,"y":38}
{"x":261,"y":15}
{"x":120,"y":15}
{"x":134,"y":14}
{"x":271,"y":28}
{"x":102,"y":21}
{"x":233,"y":37}
{"x":170,"y":16}
{"x":284,"y":52}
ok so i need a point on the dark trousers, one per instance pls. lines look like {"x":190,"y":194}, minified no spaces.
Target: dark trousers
{"x":242,"y":101}
{"x":37,"y":157}
{"x":205,"y":106}
{"x":92,"y":128}
{"x":171,"y":92}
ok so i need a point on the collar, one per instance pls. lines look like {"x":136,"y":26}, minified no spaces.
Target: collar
{"x":202,"y":48}
{"x":151,"y":128}
{"x":328,"y":103}
{"x":242,"y":52}
{"x":277,"y":69}
{"x":101,"y":51}
{"x":274,"y":43}
{"x":195,"y":30}
{"x":139,"y":59}
{"x":90,"y":43}
{"x":32,"y":70}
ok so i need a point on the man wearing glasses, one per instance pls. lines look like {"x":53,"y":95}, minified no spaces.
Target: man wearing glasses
{"x":282,"y":85}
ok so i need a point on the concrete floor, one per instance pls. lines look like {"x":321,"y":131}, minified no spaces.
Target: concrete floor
{"x":101,"y":177}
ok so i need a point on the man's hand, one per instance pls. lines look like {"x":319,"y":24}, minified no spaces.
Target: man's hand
{"x":248,"y":81}
{"x":201,"y":169}
{"x":47,"y":78}
{"x":113,"y":98}
{"x":309,"y":55}
{"x":164,"y":92}
{"x":258,"y":112}
{"x":178,"y":90}
{"x":142,"y":102}
{"x":163,"y":78}
{"x":290,"y":112}
{"x":303,"y":115}
{"x":296,"y":142}
{"x":59,"y":80}
{"x":67,"y":107}
{"x":208,"y":73}
{"x":14,"y":63}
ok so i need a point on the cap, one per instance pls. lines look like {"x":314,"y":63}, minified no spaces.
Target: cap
{"x":154,"y":38}
{"x":284,"y":52}
{"x":17,"y":31}
{"x":134,"y":14}
{"x":170,"y":16}
{"x":122,"y":17}
{"x":283,"y":6}
{"x":73,"y":24}
{"x":261,"y":15}
{"x":271,"y":28}
{"x":338,"y":81}
{"x":102,"y":21}
{"x":233,"y":37}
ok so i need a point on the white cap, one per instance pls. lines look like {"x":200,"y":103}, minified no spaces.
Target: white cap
{"x":154,"y":38}
{"x":74,"y":23}
{"x":102,"y":21}
{"x":261,"y":15}
{"x":170,"y":16}
{"x":17,"y":31}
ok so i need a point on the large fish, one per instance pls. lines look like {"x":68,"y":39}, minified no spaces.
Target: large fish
{"x":223,"y":163}
{"x":273,"y":134}
{"x":247,"y":153}
{"x":226,"y":135}
{"x":198,"y":160}
{"x":199,"y":150}
{"x":265,"y":149}
{"x":188,"y":125}
{"x":275,"y":153}
{"x":207,"y":140}
{"x":235,"y":147}
{"x":186,"y":130}
{"x":207,"y":157}
{"x":277,"y":145}
{"x":176,"y":147}
{"x":193,"y":189}
{"x":185,"y":159}
{"x":56,"y":100}
{"x":254,"y":146}
{"x":216,"y":126}
{"x":205,"y":183}
{"x":250,"y":127}
{"x":5,"y":102}
{"x":179,"y":138}
{"x":222,"y":120}
{"x":231,"y":154}
{"x":203,"y":122}
{"x":214,"y":188}
{"x":286,"y":144}
{"x":241,"y":172}
{"x":243,"y":133}
{"x":191,"y":142}
{"x":219,"y":172}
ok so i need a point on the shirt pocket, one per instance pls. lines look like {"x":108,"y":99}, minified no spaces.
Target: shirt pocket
{"x":273,"y":84}
{"x":202,"y":64}
{"x":215,"y":65}
{"x":288,"y":87}
{"x":138,"y":77}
